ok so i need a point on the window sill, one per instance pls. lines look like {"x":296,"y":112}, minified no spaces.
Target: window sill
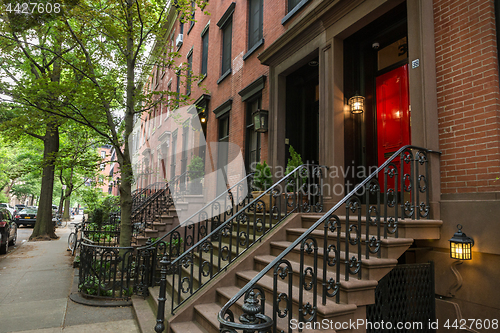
{"x":294,"y":11}
{"x":223,"y":76}
{"x":191,"y":27}
{"x":201,"y":80}
{"x":254,"y":48}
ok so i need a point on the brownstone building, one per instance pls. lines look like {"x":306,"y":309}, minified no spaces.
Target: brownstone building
{"x":304,"y":60}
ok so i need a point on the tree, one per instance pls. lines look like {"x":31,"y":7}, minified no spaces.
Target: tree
{"x":36,"y":82}
{"x":78,"y":161}
{"x":103,"y":46}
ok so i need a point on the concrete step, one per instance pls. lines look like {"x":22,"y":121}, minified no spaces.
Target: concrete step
{"x":354,"y":291}
{"x":206,"y":316}
{"x":224,"y":294}
{"x":407,"y":228}
{"x":187,"y":327}
{"x":371,"y":269}
{"x":144,"y":314}
{"x":331,"y":309}
{"x":389,"y":248}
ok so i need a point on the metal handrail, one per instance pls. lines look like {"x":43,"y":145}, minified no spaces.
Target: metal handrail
{"x":222,"y":313}
{"x":143,"y":279}
{"x":294,"y":175}
{"x":192,"y":216}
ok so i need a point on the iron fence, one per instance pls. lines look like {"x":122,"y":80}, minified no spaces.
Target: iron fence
{"x":299,"y":191}
{"x":398,"y":189}
{"x":108,"y":271}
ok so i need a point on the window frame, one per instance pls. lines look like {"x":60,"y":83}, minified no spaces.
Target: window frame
{"x":189,"y":71}
{"x":290,"y":12}
{"x":226,"y":22}
{"x":254,"y":44}
{"x":204,"y":52}
{"x":249,"y":130}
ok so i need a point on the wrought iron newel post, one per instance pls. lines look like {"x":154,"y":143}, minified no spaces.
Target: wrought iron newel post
{"x":160,"y":318}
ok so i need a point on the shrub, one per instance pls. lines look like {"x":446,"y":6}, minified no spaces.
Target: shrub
{"x":263,"y":178}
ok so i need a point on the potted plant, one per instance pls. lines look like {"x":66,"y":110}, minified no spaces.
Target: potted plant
{"x":262,"y":180}
{"x":196,"y":172}
{"x":294,"y":161}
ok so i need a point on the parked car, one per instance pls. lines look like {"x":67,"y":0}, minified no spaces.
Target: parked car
{"x":27,"y":216}
{"x":9,"y":207}
{"x":8,"y":230}
{"x":18,"y":208}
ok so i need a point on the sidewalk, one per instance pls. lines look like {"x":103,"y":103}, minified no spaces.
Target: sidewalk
{"x":35,"y":282}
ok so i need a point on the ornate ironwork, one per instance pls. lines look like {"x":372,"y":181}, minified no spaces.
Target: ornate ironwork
{"x":160,"y":318}
{"x":404,"y":295}
{"x":398,"y":189}
{"x":238,"y":231}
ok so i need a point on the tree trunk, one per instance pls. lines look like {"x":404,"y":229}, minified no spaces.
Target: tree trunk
{"x":124,"y":158}
{"x":44,"y":226}
{"x":66,"y":216}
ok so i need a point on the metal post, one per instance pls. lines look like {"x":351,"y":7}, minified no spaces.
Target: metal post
{"x":160,"y":318}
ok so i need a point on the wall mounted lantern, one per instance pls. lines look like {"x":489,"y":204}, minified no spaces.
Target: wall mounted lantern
{"x":461,"y":245}
{"x":357,"y":104}
{"x":203,"y":117}
{"x":260,"y":120}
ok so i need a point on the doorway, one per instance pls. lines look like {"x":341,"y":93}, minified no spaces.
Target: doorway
{"x":302,"y":112}
{"x":376,"y":67}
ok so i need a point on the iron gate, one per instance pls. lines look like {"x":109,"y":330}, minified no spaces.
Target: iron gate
{"x":404,"y":301}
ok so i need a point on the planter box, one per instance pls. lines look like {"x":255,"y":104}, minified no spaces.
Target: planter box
{"x":265,"y":198}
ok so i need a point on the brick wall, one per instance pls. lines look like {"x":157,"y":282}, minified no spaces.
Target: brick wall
{"x":468,"y":95}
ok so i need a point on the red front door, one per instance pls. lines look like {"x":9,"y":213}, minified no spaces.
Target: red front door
{"x":393,"y":114}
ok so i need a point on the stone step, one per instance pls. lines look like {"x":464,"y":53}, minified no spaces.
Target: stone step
{"x":389,"y":248}
{"x":224,"y":294}
{"x":187,"y":327}
{"x":354,"y":291}
{"x":371,"y":269}
{"x":407,"y":228}
{"x":206,"y":316}
{"x":331,"y":309}
{"x":144,"y":314}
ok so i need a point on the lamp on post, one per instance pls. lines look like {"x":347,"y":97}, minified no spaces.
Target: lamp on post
{"x":460,"y":249}
{"x":260,"y":120}
{"x":357,"y":104}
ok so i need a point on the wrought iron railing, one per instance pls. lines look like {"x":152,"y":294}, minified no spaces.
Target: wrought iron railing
{"x":143,"y":196}
{"x":402,"y":193}
{"x":106,"y":233}
{"x":151,"y":211}
{"x":117,"y":272}
{"x":300,"y":190}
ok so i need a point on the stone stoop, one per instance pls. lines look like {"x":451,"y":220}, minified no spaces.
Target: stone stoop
{"x":199,"y":314}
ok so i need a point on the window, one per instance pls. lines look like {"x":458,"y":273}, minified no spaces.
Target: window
{"x":255,"y":23}
{"x":184,"y":156}
{"x":178,"y":88}
{"x":204,"y":53}
{"x":193,"y":11}
{"x":252,"y":144}
{"x":174,"y":153}
{"x":292,"y":4}
{"x":189,"y":72}
{"x":227,"y":31}
{"x":223,"y":152}
{"x":103,"y":154}
{"x":293,"y":7}
{"x":226,"y":25}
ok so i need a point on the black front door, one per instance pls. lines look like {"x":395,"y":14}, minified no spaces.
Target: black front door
{"x":302,"y":112}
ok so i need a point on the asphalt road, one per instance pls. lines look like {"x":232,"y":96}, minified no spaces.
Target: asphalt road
{"x":23,"y":234}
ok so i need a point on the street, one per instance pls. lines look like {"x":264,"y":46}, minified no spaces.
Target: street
{"x":35,"y":281}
